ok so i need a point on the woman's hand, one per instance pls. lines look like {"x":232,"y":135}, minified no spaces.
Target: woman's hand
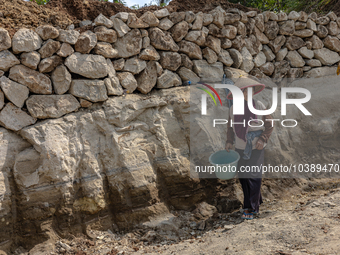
{"x":259,"y":144}
{"x":228,"y":146}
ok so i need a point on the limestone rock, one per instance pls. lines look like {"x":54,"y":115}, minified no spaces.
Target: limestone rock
{"x":36,"y":82}
{"x":231,"y":18}
{"x":229,"y":31}
{"x":316,"y":42}
{"x":241,"y":28}
{"x":238,"y":43}
{"x":7,"y":60}
{"x":146,"y":42}
{"x":287,"y":27}
{"x":208,"y":72}
{"x":306,"y":53}
{"x":268,"y":52}
{"x":281,"y":54}
{"x":311,"y":25}
{"x":322,"y":20}
{"x":294,"y":43}
{"x":225,"y":43}
{"x":162,"y":13}
{"x":2,"y":99}
{"x":89,"y":66}
{"x":113,"y":86}
{"x":260,"y":59}
{"x":281,"y":70}
{"x":92,"y":90}
{"x":225,"y":58}
{"x":84,"y":103}
{"x":25,"y":40}
{"x":49,"y":48}
{"x":218,"y":16}
{"x":120,"y":15}
{"x":120,"y":27}
{"x":68,"y":36}
{"x":186,"y":61}
{"x":134,"y":65}
{"x":209,"y":55}
{"x":197,"y":25}
{"x":322,"y":31}
{"x":313,"y":62}
{"x":271,"y":29}
{"x":168,"y":79}
{"x":129,"y":45}
{"x":179,"y":31}
{"x":277,"y":43}
{"x":149,"y":53}
{"x":13,"y":118}
{"x":176,"y":17}
{"x":14,"y":92}
{"x":213,"y":43}
{"x":300,"y":25}
{"x":253,"y":45}
{"x":101,"y":20}
{"x":47,"y":32}
{"x":293,"y":15}
{"x":326,"y":56}
{"x":65,"y":50}
{"x":191,"y":49}
{"x":49,"y":64}
{"x":320,"y":72}
{"x":51,"y":106}
{"x":332,"y":43}
{"x":170,"y":60}
{"x":188,"y":75}
{"x":159,"y":69}
{"x":150,"y":19}
{"x":106,"y":50}
{"x":5,"y":40}
{"x":294,"y":59}
{"x":267,"y":68}
{"x":282,"y":16}
{"x":128,"y":81}
{"x":61,"y":79}
{"x":147,"y":79}
{"x":135,"y":22}
{"x":332,"y":28}
{"x":86,"y":42}
{"x":236,"y":57}
{"x":118,"y":64}
{"x":303,"y":33}
{"x":105,"y":35}
{"x":247,"y":63}
{"x":165,"y":24}
{"x":197,"y":37}
{"x":259,"y":22}
{"x":162,"y":41}
{"x":261,"y":36}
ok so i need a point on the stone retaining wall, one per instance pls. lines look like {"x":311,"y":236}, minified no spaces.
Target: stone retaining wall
{"x":50,"y":72}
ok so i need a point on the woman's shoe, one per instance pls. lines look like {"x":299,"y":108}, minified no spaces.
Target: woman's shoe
{"x":247,"y":216}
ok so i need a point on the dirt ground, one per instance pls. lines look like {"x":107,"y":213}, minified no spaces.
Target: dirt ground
{"x":16,"y":14}
{"x":305,"y":222}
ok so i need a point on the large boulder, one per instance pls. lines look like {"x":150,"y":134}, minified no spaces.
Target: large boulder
{"x":49,"y":48}
{"x":120,"y":27}
{"x":287,"y":27}
{"x":36,"y":82}
{"x":87,"y":65}
{"x":277,"y":43}
{"x":129,"y":45}
{"x":271,"y":29}
{"x":295,"y":59}
{"x":332,"y":43}
{"x":25,"y":40}
{"x":13,"y":118}
{"x":294,"y":43}
{"x":65,"y":50}
{"x":7,"y":60}
{"x":14,"y":92}
{"x":196,"y":36}
{"x":213,"y":43}
{"x":150,"y":19}
{"x":162,"y":41}
{"x":106,"y":50}
{"x":179,"y":31}
{"x":51,"y":106}
{"x":236,"y":57}
{"x":247,"y":63}
{"x":49,"y":64}
{"x":68,"y":36}
{"x":101,"y":20}
{"x":92,"y":90}
{"x":105,"y":35}
{"x":149,"y":53}
{"x":135,"y":22}
{"x":188,"y":75}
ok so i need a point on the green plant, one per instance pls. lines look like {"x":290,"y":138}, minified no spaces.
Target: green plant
{"x":40,"y":2}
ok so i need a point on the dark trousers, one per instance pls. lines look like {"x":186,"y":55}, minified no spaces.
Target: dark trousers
{"x":251,"y":181}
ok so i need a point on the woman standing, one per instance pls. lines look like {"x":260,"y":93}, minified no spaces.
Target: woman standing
{"x":249,"y":143}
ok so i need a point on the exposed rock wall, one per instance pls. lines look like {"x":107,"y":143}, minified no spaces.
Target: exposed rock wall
{"x":126,"y":157}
